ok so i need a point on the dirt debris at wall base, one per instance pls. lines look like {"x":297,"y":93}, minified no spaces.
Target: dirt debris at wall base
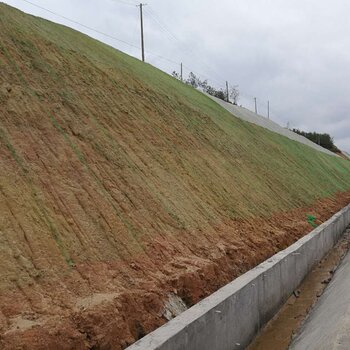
{"x":119,"y":304}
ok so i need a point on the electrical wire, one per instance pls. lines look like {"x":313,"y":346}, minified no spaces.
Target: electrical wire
{"x":111,"y":36}
{"x":163,"y":27}
{"x":173,"y":38}
{"x":185,"y":47}
{"x":125,"y":2}
{"x":81,"y":24}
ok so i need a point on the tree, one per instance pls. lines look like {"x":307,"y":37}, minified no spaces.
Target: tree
{"x":210,"y":90}
{"x":176,"y":75}
{"x":324,"y":140}
{"x":193,"y":80}
{"x":220,"y":94}
{"x":204,"y":85}
{"x":234,"y":94}
{"x":196,"y":82}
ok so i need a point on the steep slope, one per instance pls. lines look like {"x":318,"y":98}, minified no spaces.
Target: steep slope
{"x":120,"y":185}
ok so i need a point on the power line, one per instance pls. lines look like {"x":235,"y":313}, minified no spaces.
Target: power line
{"x":125,"y":2}
{"x":174,"y":38}
{"x":188,"y":68}
{"x":82,"y":25}
{"x":204,"y":76}
{"x":162,"y":27}
{"x":184,"y":46}
{"x":155,"y":17}
{"x":113,"y":37}
{"x":163,"y":58}
{"x":98,"y":31}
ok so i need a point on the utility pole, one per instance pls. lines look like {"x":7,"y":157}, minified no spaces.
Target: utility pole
{"x":181,"y":73}
{"x":256,"y":106}
{"x":268,"y":109}
{"x":227,"y":95}
{"x":142,"y":39}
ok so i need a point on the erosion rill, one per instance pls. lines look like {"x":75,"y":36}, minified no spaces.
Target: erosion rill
{"x":122,"y":188}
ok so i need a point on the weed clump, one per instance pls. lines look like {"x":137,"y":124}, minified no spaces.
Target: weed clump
{"x":311,"y":220}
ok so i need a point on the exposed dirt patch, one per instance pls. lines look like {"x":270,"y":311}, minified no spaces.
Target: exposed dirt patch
{"x":23,"y":323}
{"x":94,"y":300}
{"x":186,"y":267}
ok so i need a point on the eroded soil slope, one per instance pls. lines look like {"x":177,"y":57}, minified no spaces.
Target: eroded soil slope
{"x":119,"y":185}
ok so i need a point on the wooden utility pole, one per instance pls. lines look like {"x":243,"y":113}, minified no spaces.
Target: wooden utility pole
{"x":256,"y":106}
{"x":268,"y":109}
{"x":227,"y":94}
{"x":142,"y":38}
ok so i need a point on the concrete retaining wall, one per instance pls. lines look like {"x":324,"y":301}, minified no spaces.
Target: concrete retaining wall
{"x":249,"y":116}
{"x":231,"y":317}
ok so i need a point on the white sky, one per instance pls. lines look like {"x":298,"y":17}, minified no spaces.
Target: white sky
{"x":294,"y":53}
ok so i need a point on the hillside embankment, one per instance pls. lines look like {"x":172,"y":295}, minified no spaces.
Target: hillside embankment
{"x":120,"y":186}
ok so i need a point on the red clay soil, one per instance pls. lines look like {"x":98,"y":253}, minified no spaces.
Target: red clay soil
{"x":110,"y":315}
{"x":119,"y":185}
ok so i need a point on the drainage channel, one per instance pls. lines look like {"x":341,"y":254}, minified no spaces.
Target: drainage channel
{"x":231,"y":317}
{"x":279,"y":332}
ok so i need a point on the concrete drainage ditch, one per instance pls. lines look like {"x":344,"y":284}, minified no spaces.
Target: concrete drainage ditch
{"x":231,"y":317}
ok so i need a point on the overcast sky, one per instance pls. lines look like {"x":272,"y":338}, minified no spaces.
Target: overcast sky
{"x":294,"y":53}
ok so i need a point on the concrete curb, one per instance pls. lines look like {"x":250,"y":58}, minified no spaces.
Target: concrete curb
{"x":231,"y":317}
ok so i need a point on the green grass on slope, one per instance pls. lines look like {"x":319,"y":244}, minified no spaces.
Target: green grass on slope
{"x":240,"y":169}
